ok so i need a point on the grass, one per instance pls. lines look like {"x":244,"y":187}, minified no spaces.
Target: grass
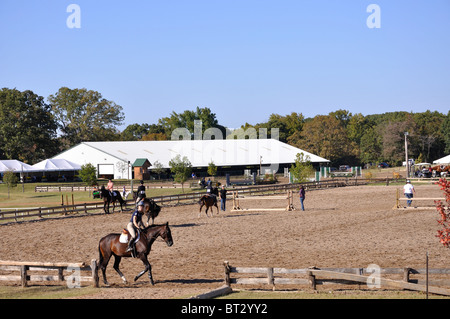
{"x":26,"y":197}
{"x":44,"y":292}
{"x":336,"y":294}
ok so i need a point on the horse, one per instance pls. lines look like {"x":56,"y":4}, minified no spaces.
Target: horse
{"x":110,"y":245}
{"x":107,"y":199}
{"x":151,"y":209}
{"x":209,"y":201}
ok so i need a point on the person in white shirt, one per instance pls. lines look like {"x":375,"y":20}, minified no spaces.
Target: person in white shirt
{"x":409,"y":191}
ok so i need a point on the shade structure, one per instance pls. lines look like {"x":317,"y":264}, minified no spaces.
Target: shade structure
{"x":443,"y":160}
{"x":56,"y":165}
{"x":15,"y":166}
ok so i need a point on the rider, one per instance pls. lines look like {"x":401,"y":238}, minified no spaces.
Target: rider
{"x":140,"y":192}
{"x":110,"y":187}
{"x":135,"y":223}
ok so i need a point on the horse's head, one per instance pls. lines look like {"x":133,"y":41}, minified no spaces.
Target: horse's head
{"x":151,"y":207}
{"x":102,"y":191}
{"x":166,"y":234}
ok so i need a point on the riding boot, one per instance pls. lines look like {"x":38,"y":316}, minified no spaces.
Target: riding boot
{"x":130,"y":244}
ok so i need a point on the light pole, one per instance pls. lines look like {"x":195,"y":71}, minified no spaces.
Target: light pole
{"x":406,"y":155}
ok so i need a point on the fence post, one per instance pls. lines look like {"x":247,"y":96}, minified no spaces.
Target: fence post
{"x":406,"y":272}
{"x":270,"y":279}
{"x":94,"y":268}
{"x":227,"y":273}
{"x":23,"y":275}
{"x":312,"y":279}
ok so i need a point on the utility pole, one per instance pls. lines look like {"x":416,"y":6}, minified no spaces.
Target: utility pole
{"x":406,"y":155}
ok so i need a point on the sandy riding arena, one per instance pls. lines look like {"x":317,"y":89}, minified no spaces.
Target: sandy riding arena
{"x":341,"y":227}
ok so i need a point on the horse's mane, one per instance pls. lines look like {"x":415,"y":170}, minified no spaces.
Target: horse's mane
{"x":153,"y":226}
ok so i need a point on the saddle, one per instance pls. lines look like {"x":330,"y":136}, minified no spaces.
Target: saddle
{"x":125,"y":237}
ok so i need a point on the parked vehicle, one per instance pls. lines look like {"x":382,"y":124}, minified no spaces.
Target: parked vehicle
{"x":383,"y":165}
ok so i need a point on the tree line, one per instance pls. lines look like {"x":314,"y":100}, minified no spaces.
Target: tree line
{"x":32,"y":129}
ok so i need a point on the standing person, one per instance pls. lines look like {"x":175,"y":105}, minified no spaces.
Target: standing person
{"x":409,"y":192}
{"x":223,"y":197}
{"x":302,"y":196}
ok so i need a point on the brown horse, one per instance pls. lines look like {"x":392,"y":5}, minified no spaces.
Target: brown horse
{"x":110,"y":245}
{"x":209,"y":200}
{"x":151,"y":209}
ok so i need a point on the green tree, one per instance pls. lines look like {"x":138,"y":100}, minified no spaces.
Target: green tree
{"x":27,"y":127}
{"x":302,"y":169}
{"x":325,"y":136}
{"x":445,"y":129}
{"x":84,"y":115}
{"x":212,"y":169}
{"x":134,"y":132}
{"x":158,"y":168}
{"x":430,"y":140}
{"x":186,"y":120}
{"x":88,"y":174}
{"x":181,"y":168}
{"x":370,"y":146}
{"x":10,"y":179}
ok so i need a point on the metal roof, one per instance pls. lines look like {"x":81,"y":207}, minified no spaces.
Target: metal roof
{"x":228,"y":152}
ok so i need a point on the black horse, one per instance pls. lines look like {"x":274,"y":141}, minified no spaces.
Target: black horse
{"x":110,"y":245}
{"x":209,"y":200}
{"x":151,"y":209}
{"x":108,"y":199}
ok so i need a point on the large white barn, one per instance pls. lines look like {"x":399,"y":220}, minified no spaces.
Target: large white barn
{"x":115,"y":159}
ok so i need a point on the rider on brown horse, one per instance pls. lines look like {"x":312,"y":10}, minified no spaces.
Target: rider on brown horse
{"x":135,"y":224}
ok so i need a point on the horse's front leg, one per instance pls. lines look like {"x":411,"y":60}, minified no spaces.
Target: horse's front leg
{"x":148,"y":268}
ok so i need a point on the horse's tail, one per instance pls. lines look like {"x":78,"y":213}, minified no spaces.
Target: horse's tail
{"x":100,"y":254}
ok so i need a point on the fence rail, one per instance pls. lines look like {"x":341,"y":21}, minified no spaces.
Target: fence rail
{"x":326,"y":276}
{"x":25,"y":268}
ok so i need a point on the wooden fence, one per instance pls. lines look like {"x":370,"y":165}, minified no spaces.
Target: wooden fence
{"x":347,"y":276}
{"x":19,"y":215}
{"x":26,"y":270}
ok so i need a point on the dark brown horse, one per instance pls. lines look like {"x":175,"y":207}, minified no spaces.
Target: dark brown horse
{"x":107,"y":199}
{"x":151,"y":209}
{"x":111,"y":246}
{"x":209,"y":200}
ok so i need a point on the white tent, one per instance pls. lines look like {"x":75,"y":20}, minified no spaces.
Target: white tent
{"x":56,"y":165}
{"x":15,"y":166}
{"x":443,"y":160}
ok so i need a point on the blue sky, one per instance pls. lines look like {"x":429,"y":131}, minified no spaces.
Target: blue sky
{"x":243,"y":59}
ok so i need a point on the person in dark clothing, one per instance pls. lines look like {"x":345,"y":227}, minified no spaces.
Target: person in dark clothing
{"x":223,"y":197}
{"x":302,"y":196}
{"x":140,"y":192}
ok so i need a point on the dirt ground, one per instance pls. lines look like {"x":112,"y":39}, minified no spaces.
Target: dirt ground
{"x":341,"y":227}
